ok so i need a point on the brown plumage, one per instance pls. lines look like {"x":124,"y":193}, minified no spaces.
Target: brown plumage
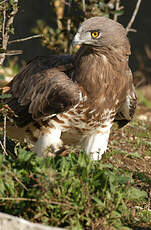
{"x":75,"y":99}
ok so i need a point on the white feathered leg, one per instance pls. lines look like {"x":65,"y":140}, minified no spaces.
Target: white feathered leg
{"x":51,"y":140}
{"x":96,"y":144}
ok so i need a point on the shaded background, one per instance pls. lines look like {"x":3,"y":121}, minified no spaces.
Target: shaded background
{"x":32,"y":10}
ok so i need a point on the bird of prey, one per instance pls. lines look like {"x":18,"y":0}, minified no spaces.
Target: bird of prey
{"x":74,"y":99}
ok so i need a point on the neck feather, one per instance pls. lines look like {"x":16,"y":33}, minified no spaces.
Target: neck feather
{"x":96,"y":68}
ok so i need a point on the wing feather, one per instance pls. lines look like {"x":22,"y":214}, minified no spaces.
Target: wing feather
{"x":127,"y":109}
{"x":43,"y":87}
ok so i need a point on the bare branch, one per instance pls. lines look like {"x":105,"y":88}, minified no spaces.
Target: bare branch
{"x":128,"y":28}
{"x":18,"y":199}
{"x":132,"y":30}
{"x":37,"y":200}
{"x":4,"y":22}
{"x":25,"y":39}
{"x":59,"y":7}
{"x":117,"y":7}
{"x":13,"y":52}
{"x":7,"y":22}
{"x":2,"y":58}
{"x":3,"y":2}
{"x":4,"y":132}
{"x":68,"y":26}
{"x":2,"y":146}
{"x":84,"y":6}
{"x":10,"y":53}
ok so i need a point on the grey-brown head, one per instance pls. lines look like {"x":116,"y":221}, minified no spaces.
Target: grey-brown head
{"x":101,"y":31}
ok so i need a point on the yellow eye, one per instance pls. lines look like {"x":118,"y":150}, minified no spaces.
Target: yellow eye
{"x":95,"y":34}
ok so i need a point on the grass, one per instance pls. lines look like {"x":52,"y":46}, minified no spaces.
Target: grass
{"x":68,"y":191}
{"x":75,"y":193}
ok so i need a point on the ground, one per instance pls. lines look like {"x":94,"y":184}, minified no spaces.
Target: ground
{"x":131,"y":145}
{"x":130,"y":149}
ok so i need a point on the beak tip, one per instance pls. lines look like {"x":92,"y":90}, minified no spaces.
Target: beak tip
{"x":76,"y":40}
{"x":74,"y":44}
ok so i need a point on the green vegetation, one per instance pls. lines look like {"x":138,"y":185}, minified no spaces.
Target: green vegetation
{"x":77,"y":193}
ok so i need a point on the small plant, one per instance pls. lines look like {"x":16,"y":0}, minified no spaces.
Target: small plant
{"x":72,"y":191}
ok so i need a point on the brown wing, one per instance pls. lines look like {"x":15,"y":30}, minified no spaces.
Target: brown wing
{"x":127,"y":109}
{"x":43,"y":88}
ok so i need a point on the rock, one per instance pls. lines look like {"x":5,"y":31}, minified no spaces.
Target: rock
{"x":9,"y":222}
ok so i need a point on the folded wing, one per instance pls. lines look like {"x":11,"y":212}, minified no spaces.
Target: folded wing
{"x":127,"y":109}
{"x":43,"y":88}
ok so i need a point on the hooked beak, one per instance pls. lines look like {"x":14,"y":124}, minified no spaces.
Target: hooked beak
{"x":76,"y":40}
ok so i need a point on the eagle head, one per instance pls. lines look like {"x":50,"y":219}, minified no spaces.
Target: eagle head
{"x":99,"y":32}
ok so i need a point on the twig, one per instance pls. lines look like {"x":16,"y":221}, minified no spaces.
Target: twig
{"x":84,"y":6}
{"x":18,"y":199}
{"x":25,"y":39}
{"x":7,"y":22}
{"x":116,"y":8}
{"x":12,"y":174}
{"x":4,"y":150}
{"x":68,"y":26}
{"x":3,"y":2}
{"x":2,"y":55}
{"x":3,"y":26}
{"x":133,"y":16}
{"x":37,"y":200}
{"x":138,"y":207}
{"x":13,"y":52}
{"x":10,"y":53}
{"x":58,"y":203}
{"x":132,"y":30}
{"x":4,"y":133}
